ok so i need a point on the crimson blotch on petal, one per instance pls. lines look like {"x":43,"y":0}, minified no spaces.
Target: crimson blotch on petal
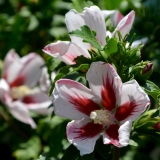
{"x":109,"y":107}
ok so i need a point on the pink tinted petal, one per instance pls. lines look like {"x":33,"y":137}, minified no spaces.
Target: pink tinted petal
{"x":124,"y":26}
{"x":73,"y":52}
{"x":11,"y":76}
{"x":31,"y":70}
{"x":65,"y":51}
{"x":110,"y":136}
{"x":9,"y":59}
{"x":115,"y":16}
{"x":105,"y":84}
{"x":27,"y":71}
{"x":38,"y":102}
{"x":134,"y":102}
{"x":83,"y":134}
{"x":57,"y":49}
{"x":124,"y":133}
{"x":107,"y":13}
{"x":73,"y":100}
{"x":20,"y":112}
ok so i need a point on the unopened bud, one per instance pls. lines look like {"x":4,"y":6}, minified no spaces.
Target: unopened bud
{"x":147,"y":68}
{"x":157,"y":126}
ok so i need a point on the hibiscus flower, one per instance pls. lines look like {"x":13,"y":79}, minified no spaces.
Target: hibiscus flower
{"x":92,"y":17}
{"x":109,"y":107}
{"x":18,"y":86}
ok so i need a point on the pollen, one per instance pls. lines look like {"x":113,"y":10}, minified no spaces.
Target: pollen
{"x":21,"y":91}
{"x":101,"y":116}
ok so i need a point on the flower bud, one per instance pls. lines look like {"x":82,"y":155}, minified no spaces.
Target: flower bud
{"x":157,"y":126}
{"x":147,"y":68}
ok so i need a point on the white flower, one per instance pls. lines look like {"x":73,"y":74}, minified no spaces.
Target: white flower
{"x":108,"y":107}
{"x":18,"y":89}
{"x":94,"y":18}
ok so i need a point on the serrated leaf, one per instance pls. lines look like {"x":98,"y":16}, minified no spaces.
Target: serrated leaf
{"x":87,"y":35}
{"x":72,"y":153}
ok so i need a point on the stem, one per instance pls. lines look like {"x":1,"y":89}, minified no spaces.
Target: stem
{"x":116,"y":153}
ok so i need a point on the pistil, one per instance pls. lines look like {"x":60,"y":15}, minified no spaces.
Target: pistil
{"x":101,"y":116}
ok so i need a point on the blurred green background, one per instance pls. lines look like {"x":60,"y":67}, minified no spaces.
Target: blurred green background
{"x":29,"y":25}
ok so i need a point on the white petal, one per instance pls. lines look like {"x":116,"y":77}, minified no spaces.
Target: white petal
{"x":38,"y":102}
{"x":4,"y":91}
{"x":140,"y":41}
{"x":124,"y":26}
{"x":83,"y":135}
{"x":44,"y":81}
{"x":66,"y":51}
{"x":75,"y":21}
{"x":29,"y":70}
{"x":105,"y":84}
{"x":73,"y":100}
{"x":9,"y":59}
{"x":15,"y":66}
{"x":57,"y":49}
{"x":91,"y":17}
{"x":134,"y":102}
{"x":124,"y":133}
{"x":110,"y":135}
{"x":20,"y":112}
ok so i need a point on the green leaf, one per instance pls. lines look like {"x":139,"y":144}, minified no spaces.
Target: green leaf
{"x":81,"y":59}
{"x":28,"y":150}
{"x":87,"y":157}
{"x":52,"y":63}
{"x":87,"y":35}
{"x":60,"y":74}
{"x":82,"y":67}
{"x":154,"y":91}
{"x":111,"y":46}
{"x":43,"y":157}
{"x":72,"y":153}
{"x":133,"y":143}
{"x":103,"y":150}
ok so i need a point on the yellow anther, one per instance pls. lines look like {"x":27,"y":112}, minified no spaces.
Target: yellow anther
{"x":20,"y":92}
{"x":101,"y":116}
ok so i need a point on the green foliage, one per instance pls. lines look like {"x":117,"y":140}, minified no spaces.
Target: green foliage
{"x":28,"y":150}
{"x":87,"y":35}
{"x":29,"y":25}
{"x":79,"y":5}
{"x":153,"y":91}
{"x":111,"y":46}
